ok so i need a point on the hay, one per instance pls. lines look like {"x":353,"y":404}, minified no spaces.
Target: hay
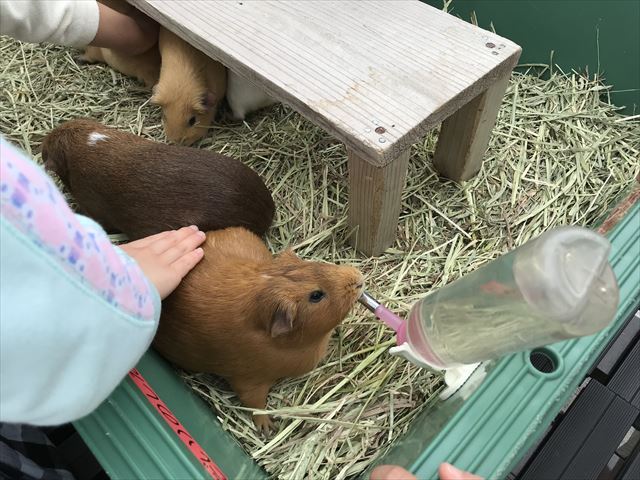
{"x":558,"y":155}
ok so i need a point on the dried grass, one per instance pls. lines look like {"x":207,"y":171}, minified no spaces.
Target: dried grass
{"x":558,"y":155}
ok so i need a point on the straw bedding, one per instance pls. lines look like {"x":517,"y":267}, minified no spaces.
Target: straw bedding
{"x":560,"y":154}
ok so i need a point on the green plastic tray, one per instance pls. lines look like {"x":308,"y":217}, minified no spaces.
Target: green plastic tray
{"x":131,"y":439}
{"x":484,"y":429}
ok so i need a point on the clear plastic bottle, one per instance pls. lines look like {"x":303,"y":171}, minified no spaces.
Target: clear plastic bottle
{"x":557,"y":286}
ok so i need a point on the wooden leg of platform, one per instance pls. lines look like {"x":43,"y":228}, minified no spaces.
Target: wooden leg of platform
{"x":374,"y":201}
{"x":464,"y":136}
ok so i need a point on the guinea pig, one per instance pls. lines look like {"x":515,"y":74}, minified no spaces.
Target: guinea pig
{"x":145,"y":66}
{"x":244,"y":97}
{"x":253,"y":318}
{"x":189,"y":90}
{"x":141,"y":187}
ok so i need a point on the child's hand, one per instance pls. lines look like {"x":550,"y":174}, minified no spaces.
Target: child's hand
{"x":165,"y":258}
{"x":445,"y":472}
{"x":131,"y":34}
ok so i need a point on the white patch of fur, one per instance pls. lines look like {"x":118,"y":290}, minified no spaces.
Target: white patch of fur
{"x":96,"y":137}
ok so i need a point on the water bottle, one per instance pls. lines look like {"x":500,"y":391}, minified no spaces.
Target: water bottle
{"x":557,"y":286}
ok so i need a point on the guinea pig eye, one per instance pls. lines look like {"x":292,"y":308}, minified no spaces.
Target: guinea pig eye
{"x":316,"y":296}
{"x":192,"y":121}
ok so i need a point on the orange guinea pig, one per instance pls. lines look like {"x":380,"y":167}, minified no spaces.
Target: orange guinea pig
{"x":253,"y":318}
{"x":145,"y":66}
{"x":189,"y":90}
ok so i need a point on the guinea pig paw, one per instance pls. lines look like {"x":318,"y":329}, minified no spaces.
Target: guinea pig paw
{"x":82,"y":60}
{"x":264,"y":424}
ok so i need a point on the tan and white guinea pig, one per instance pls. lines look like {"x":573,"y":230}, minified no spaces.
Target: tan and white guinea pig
{"x":189,"y":90}
{"x":253,"y":318}
{"x":244,"y":97}
{"x":140,"y":187}
{"x":145,"y":66}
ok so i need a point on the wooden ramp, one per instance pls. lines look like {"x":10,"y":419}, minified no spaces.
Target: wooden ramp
{"x":375,"y":74}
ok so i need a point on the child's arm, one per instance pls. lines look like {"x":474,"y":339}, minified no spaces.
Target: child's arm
{"x":77,"y":24}
{"x":76,"y":313}
{"x":132,"y":34}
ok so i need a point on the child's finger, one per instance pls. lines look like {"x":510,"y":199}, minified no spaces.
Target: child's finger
{"x":391,"y":472}
{"x":186,"y":262}
{"x":186,"y":245}
{"x":165,"y":243}
{"x":446,"y":471}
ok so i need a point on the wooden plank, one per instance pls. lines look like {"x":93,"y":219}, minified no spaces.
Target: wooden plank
{"x":351,"y":67}
{"x":464,"y":136}
{"x":375,"y":195}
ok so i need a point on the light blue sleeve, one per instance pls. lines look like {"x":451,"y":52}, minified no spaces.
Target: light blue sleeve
{"x":63,"y":347}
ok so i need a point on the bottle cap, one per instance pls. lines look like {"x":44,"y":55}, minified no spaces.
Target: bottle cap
{"x":556,"y":272}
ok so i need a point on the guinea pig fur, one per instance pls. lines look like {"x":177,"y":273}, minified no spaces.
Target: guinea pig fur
{"x":244,"y":97}
{"x":189,"y":90}
{"x":141,"y":187}
{"x":145,"y":66}
{"x":253,"y":318}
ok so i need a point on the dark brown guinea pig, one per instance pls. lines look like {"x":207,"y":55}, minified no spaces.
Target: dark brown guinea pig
{"x":253,"y":318}
{"x":141,"y":187}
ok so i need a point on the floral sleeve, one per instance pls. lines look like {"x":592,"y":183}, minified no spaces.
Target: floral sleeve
{"x":34,"y":206}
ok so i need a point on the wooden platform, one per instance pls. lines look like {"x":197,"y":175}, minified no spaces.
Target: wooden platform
{"x":375,"y":74}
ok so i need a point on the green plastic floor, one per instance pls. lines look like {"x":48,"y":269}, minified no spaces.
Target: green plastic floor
{"x":486,"y":431}
{"x":515,"y":403}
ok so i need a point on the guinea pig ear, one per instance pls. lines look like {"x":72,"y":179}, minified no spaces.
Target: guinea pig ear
{"x":282,"y":322}
{"x":208,"y":101}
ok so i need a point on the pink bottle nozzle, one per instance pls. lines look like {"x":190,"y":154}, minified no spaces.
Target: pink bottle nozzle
{"x":390,"y":319}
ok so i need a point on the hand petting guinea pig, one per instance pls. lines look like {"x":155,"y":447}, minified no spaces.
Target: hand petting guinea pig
{"x":189,"y":90}
{"x":140,"y":187}
{"x":253,"y":318}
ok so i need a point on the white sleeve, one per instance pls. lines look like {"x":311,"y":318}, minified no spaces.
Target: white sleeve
{"x":64,"y":22}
